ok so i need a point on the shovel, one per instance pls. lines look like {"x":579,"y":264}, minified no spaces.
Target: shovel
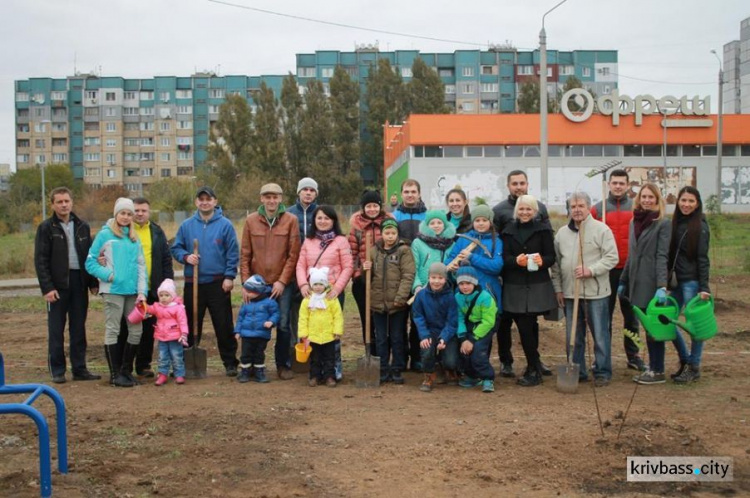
{"x":196,"y":360}
{"x":368,"y":366}
{"x":567,"y":375}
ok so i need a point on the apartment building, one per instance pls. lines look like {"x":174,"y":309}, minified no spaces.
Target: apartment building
{"x":736,"y":71}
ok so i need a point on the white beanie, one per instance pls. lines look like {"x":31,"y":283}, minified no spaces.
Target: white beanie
{"x":122,"y":204}
{"x":307,"y":182}
{"x":319,"y":276}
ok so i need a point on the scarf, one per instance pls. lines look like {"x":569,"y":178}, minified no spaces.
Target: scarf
{"x":418,"y":208}
{"x":642,"y":219}
{"x":325,"y":237}
{"x":439,"y":243}
{"x":317,"y":301}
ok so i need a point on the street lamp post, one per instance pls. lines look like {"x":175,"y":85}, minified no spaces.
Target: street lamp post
{"x":44,"y":196}
{"x":543,"y":141}
{"x":719,"y":133}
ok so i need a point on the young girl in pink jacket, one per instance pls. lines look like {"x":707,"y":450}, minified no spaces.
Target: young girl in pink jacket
{"x":171,"y":331}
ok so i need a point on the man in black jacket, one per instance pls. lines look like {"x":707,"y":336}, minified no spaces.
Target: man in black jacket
{"x":518,"y":185}
{"x":158,"y":267}
{"x":60,"y":249}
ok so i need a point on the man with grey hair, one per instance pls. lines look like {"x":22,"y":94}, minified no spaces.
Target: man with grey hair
{"x":586,"y":252}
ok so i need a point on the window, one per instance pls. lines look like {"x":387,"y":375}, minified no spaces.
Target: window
{"x":216,"y":93}
{"x":147,"y":156}
{"x":531,"y":151}
{"x":109,"y":96}
{"x":111,"y":173}
{"x":164,"y":96}
{"x":129,"y":111}
{"x":40,"y":127}
{"x":91,"y":126}
{"x":567,"y":70}
{"x":466,"y":107}
{"x":146,"y":95}
{"x":23,"y":113}
{"x":58,"y":127}
{"x":467,"y":88}
{"x":165,"y":157}
{"x":22,"y":158}
{"x":489,"y":105}
{"x":147,"y":142}
{"x":129,"y":96}
{"x":59,"y":142}
{"x":111,"y":158}
{"x":41,"y":159}
{"x":183,"y":156}
{"x":406,"y":72}
{"x":525,"y":70}
{"x":146,"y":126}
{"x":467,"y":71}
{"x":91,"y":157}
{"x":513,"y":151}
{"x":131,"y":142}
{"x":326,"y":72}
{"x":184,"y":140}
{"x":91,"y":94}
{"x":184,"y":125}
{"x":709,"y":150}
{"x":166,"y":172}
{"x":611,"y":150}
{"x":165,"y":126}
{"x":22,"y":97}
{"x":131,"y":126}
{"x":59,"y":158}
{"x":604,"y":71}
{"x":91,"y":141}
{"x":110,"y":112}
{"x":39,"y":112}
{"x":39,"y":143}
{"x":147,"y":172}
{"x":445,"y":72}
{"x":91,"y":111}
{"x":586,"y":72}
{"x":59,"y":113}
{"x":23,"y":143}
{"x":633,"y":151}
{"x":93,"y":171}
{"x":111,"y":142}
{"x":306,"y":72}
{"x":24,"y":128}
{"x":165,"y":141}
{"x":549,"y":71}
{"x":184,"y":109}
{"x":185,"y":170}
{"x":184,"y":94}
{"x":486,"y":70}
{"x":473,"y":151}
{"x":490,"y":87}
{"x":146,"y":111}
{"x":450,"y":89}
{"x":130,"y":157}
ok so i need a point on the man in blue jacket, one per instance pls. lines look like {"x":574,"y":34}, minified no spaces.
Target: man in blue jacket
{"x":217,"y":264}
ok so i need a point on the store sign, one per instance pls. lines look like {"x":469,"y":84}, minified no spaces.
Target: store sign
{"x":617,"y":105}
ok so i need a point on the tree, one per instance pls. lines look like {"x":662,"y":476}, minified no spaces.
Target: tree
{"x":96,"y":205}
{"x":571,"y":83}
{"x":26,"y":184}
{"x":291,"y":123}
{"x":385,"y":102}
{"x":267,"y":141}
{"x":425,"y":93}
{"x":230,"y":149}
{"x":528,"y":99}
{"x":316,"y":137}
{"x":344,"y":102}
{"x":172,"y":194}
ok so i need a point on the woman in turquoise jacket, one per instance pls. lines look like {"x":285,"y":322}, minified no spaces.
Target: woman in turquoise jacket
{"x":116,"y":259}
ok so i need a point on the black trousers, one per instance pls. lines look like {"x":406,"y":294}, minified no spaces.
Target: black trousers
{"x":323,"y":361}
{"x":212,"y":297}
{"x":528,"y":329}
{"x":145,"y":353}
{"x":628,"y":317}
{"x":72,"y":306}
{"x":253,"y":351}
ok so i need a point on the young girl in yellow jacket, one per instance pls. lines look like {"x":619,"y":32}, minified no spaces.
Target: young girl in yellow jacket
{"x":321,"y":322}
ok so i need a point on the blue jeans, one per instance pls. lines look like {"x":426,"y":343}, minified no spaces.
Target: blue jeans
{"x":684,"y":292}
{"x":477,"y":364}
{"x":389,"y":335}
{"x":282,"y":348}
{"x":171,"y":354}
{"x":595,"y":314}
{"x":448,"y":357}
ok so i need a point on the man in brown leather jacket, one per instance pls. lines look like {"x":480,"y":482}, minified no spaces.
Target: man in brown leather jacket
{"x":270,"y":248}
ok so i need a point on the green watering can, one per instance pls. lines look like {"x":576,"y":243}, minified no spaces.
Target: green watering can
{"x":652,"y":322}
{"x":700,"y":320}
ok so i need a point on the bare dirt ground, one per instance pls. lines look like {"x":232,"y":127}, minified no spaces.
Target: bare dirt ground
{"x":215,"y":437}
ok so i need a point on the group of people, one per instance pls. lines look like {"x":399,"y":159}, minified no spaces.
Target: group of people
{"x":443,"y":283}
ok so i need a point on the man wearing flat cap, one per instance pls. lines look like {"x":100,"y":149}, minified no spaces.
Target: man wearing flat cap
{"x":217,"y":265}
{"x":270,"y":248}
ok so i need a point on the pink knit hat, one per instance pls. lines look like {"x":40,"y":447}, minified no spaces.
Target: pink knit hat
{"x":168,"y":286}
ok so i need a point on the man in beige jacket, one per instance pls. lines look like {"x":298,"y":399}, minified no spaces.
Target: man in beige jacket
{"x":599,"y":257}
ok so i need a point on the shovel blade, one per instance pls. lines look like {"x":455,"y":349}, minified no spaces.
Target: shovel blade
{"x":368,"y":371}
{"x":567,"y":378}
{"x":196,"y":363}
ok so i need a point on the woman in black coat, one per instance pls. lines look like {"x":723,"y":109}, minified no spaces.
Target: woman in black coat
{"x":528,"y":292}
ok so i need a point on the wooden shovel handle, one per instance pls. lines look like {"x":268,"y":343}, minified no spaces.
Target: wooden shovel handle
{"x":368,"y":325}
{"x":195,"y":294}
{"x":576,"y":294}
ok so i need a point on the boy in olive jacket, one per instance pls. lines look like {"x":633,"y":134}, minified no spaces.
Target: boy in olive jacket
{"x":392,"y":275}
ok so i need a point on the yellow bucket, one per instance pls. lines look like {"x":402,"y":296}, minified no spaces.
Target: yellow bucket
{"x":301,"y":352}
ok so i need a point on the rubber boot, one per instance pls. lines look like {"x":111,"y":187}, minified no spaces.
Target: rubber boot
{"x":128,"y":357}
{"x":114,"y":361}
{"x":260,"y":374}
{"x":532,"y":376}
{"x":244,"y":375}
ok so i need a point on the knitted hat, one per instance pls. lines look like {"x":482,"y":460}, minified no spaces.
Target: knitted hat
{"x":122,"y":204}
{"x":467,"y":274}
{"x":438,"y":268}
{"x":319,"y":276}
{"x":307,"y":182}
{"x":369,"y":196}
{"x":481,"y":211}
{"x":167,"y":286}
{"x":255,"y":284}
{"x":389,"y":223}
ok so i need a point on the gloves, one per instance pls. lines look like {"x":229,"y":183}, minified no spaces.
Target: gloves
{"x":661,"y":295}
{"x":522,"y":260}
{"x":183,"y":340}
{"x":621,"y":290}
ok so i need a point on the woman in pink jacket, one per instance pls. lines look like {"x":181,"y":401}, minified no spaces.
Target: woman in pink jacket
{"x":171,"y":331}
{"x":326,"y":247}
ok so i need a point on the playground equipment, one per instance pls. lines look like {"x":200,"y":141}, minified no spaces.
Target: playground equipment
{"x":25,"y":408}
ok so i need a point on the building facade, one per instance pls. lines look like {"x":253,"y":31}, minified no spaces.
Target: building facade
{"x":477,"y":152}
{"x":736,"y":68}
{"x":118,"y":131}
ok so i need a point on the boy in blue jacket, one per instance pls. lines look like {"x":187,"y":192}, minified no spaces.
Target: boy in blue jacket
{"x":435,"y":313}
{"x":257,"y":317}
{"x":476,"y":319}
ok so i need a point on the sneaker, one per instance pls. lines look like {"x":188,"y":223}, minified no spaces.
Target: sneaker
{"x":429,"y":379}
{"x":231,"y":371}
{"x":161,"y":379}
{"x":545,"y":369}
{"x":385,"y":377}
{"x":636,"y":363}
{"x":179,"y":380}
{"x":601,"y":382}
{"x":679,"y":371}
{"x":397,"y":378}
{"x":285,"y":373}
{"x":145,"y":372}
{"x":488,"y":386}
{"x":330,"y":382}
{"x":451,"y":378}
{"x":649,"y":377}
{"x":244,"y":375}
{"x":86,"y":375}
{"x":689,"y":374}
{"x":469,"y":382}
{"x":58,"y":379}
{"x":312,"y":382}
{"x":260,"y":375}
{"x":530,"y":379}
{"x":506,"y":370}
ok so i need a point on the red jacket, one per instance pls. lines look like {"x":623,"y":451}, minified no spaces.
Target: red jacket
{"x":359,"y":226}
{"x":618,"y":216}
